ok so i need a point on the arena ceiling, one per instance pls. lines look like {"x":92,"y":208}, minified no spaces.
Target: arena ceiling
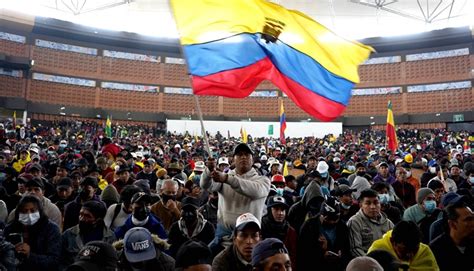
{"x":350,"y":18}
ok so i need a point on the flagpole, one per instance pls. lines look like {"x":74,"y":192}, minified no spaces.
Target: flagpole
{"x":196,"y":99}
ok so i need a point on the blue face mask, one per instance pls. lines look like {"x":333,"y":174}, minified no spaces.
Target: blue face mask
{"x":3,"y":176}
{"x":384,"y":198}
{"x":471,"y":179}
{"x":351,"y":168}
{"x":324,"y":175}
{"x":430,"y":206}
{"x":345,"y":206}
{"x":279,"y":191}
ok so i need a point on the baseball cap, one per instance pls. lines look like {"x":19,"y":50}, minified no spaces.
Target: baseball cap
{"x":199,"y":166}
{"x":223,"y":160}
{"x":383,"y":164}
{"x":34,"y":167}
{"x":96,"y":256}
{"x":344,"y":189}
{"x":244,"y":220}
{"x":193,"y":253}
{"x":190,"y":202}
{"x":92,"y":181}
{"x":139,"y":245}
{"x":277,"y":178}
{"x":141,"y":197}
{"x":336,"y":159}
{"x":35,"y":182}
{"x":277,"y":201}
{"x":267,"y":248}
{"x":322,"y":167}
{"x":242,"y":147}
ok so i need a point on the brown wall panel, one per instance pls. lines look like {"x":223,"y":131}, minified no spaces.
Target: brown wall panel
{"x":438,"y":70}
{"x":373,"y":105}
{"x":440,"y":101}
{"x":251,"y":106}
{"x":380,"y":75}
{"x":63,"y":94}
{"x":114,"y":69}
{"x":12,"y":86}
{"x":13,"y":48}
{"x":62,"y":62}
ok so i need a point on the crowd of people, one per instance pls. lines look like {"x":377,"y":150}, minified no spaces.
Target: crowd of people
{"x":73,"y":198}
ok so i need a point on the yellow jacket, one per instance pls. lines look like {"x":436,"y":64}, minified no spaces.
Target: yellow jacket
{"x":20,"y":164}
{"x":423,"y":260}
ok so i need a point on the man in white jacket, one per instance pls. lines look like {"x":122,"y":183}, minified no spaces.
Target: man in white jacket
{"x":241,"y":190}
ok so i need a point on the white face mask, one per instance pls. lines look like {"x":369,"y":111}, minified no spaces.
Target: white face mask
{"x":139,"y":223}
{"x":408,"y":174}
{"x":29,"y":219}
{"x":432,"y":170}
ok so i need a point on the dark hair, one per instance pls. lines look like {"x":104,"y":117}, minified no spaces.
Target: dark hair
{"x":128,"y":192}
{"x":385,"y":259}
{"x":289,"y":178}
{"x":379,"y":186}
{"x":450,"y":210}
{"x":368,"y":193}
{"x":30,"y":199}
{"x":407,"y":233}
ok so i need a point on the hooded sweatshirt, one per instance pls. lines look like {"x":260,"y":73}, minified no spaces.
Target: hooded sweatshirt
{"x":300,"y":211}
{"x":424,"y":259}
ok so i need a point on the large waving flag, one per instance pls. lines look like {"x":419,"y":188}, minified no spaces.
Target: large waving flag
{"x":232,"y":45}
{"x":282,"y":124}
{"x":391,"y":135}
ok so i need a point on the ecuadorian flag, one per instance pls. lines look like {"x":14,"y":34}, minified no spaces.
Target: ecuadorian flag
{"x":390,"y":133}
{"x":282,"y":124}
{"x":232,"y":45}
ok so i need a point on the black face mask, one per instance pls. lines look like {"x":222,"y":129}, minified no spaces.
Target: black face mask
{"x":141,"y":214}
{"x":361,"y":173}
{"x":189,"y":216}
{"x":84,"y":194}
{"x":165,"y":198}
{"x":214,"y":201}
{"x":85,"y":227}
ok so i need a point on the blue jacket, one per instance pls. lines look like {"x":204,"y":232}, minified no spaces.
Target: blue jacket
{"x":153,"y":225}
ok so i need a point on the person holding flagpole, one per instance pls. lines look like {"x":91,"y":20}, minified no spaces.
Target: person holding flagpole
{"x":241,"y":190}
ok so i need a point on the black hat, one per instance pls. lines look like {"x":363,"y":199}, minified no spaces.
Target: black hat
{"x":190,"y":202}
{"x":193,"y":253}
{"x":141,"y":197}
{"x":34,"y":167}
{"x":81,"y":162}
{"x":65,"y":182}
{"x":343,"y":189}
{"x":331,"y":209}
{"x":313,"y":174}
{"x":97,"y":208}
{"x":277,"y":201}
{"x":90,"y":181}
{"x":122,"y":168}
{"x":358,"y":165}
{"x":243,"y":147}
{"x":35,"y":182}
{"x":267,"y":248}
{"x":383,"y":164}
{"x":96,"y":256}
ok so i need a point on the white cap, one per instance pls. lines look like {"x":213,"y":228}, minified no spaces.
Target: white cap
{"x":134,"y":155}
{"x":263,"y":158}
{"x":245,"y":219}
{"x":322,"y":167}
{"x":223,"y":160}
{"x":278,"y":149}
{"x":199,"y":166}
{"x":35,"y":150}
{"x":139,"y":154}
{"x":63,"y":142}
{"x":177,"y":146}
{"x":336,"y":159}
{"x":398,"y":161}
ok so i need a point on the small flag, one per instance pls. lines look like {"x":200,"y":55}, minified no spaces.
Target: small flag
{"x":285,"y":169}
{"x":282,"y":124}
{"x":467,"y":146}
{"x":14,"y":120}
{"x":243,"y":134}
{"x":391,"y":135}
{"x":108,"y":127}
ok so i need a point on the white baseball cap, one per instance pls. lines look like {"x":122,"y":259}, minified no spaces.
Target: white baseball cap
{"x":244,"y":220}
{"x":223,"y":160}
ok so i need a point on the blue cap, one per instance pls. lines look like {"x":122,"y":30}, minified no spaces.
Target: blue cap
{"x":139,"y":245}
{"x":267,"y":248}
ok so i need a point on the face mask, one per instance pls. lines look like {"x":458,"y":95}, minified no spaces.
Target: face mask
{"x":139,"y":223}
{"x":141,"y":214}
{"x":471,"y":179}
{"x":165,"y":198}
{"x":63,"y":145}
{"x":361,"y":173}
{"x":384,"y":198}
{"x":84,"y":194}
{"x":85,"y":227}
{"x":345,"y":206}
{"x":408,"y":174}
{"x":189,"y":216}
{"x":3,"y":176}
{"x":430,"y":206}
{"x":351,"y":168}
{"x":432,"y":170}
{"x":324,"y":175}
{"x":279,"y":191}
{"x":51,"y":152}
{"x":29,"y":219}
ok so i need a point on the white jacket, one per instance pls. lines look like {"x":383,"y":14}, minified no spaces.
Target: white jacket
{"x":241,"y":194}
